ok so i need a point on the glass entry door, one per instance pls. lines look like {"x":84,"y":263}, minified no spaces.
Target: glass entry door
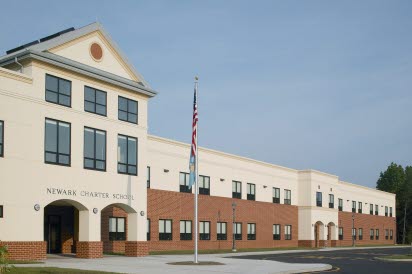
{"x":54,"y":234}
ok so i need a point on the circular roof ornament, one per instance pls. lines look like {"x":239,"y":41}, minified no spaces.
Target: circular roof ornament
{"x":96,"y":51}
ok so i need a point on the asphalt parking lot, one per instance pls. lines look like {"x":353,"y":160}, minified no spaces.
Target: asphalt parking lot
{"x":345,"y":261}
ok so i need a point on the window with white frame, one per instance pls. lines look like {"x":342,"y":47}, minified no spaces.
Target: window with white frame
{"x":237,"y":230}
{"x":251,"y":231}
{"x":276,"y":232}
{"x":221,"y":231}
{"x":288,"y":197}
{"x":165,"y":230}
{"x":276,"y":195}
{"x":117,"y":230}
{"x":204,"y":230}
{"x":236,"y":189}
{"x":204,"y":185}
{"x":184,"y":182}
{"x":185,"y":230}
{"x":251,"y":191}
{"x":288,"y":232}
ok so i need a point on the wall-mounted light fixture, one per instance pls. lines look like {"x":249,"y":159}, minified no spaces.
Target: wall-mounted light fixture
{"x":265,"y":186}
{"x":142,"y":213}
{"x":95,"y":210}
{"x":222,"y":180}
{"x":166,"y":170}
{"x":37,"y":207}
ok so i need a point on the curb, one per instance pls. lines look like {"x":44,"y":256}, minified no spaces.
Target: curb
{"x":392,"y":260}
{"x":313,"y":269}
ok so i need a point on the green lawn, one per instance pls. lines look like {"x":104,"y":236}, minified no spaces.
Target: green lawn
{"x":217,"y":251}
{"x":54,"y":270}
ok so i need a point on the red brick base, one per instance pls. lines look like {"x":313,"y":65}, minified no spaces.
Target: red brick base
{"x":26,"y":251}
{"x":89,"y":250}
{"x":136,"y":249}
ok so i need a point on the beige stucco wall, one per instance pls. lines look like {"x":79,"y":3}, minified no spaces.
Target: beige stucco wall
{"x":25,"y":177}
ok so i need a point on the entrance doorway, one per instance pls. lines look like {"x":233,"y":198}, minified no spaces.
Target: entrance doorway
{"x":61,"y":227}
{"x":319,"y":234}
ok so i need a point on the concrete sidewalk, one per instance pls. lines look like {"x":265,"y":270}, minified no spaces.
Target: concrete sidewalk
{"x":159,"y":265}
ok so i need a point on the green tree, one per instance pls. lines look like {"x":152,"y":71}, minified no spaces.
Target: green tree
{"x":392,"y":179}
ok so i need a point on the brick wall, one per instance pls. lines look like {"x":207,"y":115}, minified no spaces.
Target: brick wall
{"x":136,"y":249}
{"x":366,"y":222}
{"x":179,"y":206}
{"x":112,"y":246}
{"x":26,"y":251}
{"x":89,"y":250}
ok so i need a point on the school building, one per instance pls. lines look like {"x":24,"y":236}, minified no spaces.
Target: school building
{"x":79,"y":172}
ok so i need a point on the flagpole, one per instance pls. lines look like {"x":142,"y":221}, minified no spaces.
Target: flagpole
{"x":197,"y":179}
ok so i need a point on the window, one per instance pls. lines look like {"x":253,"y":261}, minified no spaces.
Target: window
{"x":148,"y":230}
{"x":117,"y":229}
{"x":360,"y":230}
{"x":371,"y":234}
{"x":386,"y":234}
{"x":386,"y":211}
{"x":148,"y":177}
{"x":94,"y":149}
{"x":251,"y":190}
{"x":204,"y":185}
{"x":288,"y":199}
{"x":237,"y":231}
{"x":359,"y":207}
{"x":276,"y":195}
{"x":127,"y":155}
{"x":353,"y":206}
{"x":341,"y":233}
{"x":391,"y":234}
{"x":127,"y":110}
{"x":390,"y":211}
{"x":58,"y":90}
{"x":354,"y":233}
{"x":184,"y":182}
{"x":276,"y":232}
{"x":165,"y":230}
{"x":376,"y":210}
{"x":1,"y":211}
{"x":340,"y":205}
{"x":331,"y":201}
{"x":288,"y":232}
{"x":204,"y":230}
{"x":236,"y":189}
{"x":251,"y":231}
{"x":371,"y":209}
{"x":57,"y":147}
{"x":1,"y":139}
{"x":319,"y":199}
{"x":95,"y":101}
{"x":377,"y":234}
{"x":185,"y":230}
{"x":221,"y":231}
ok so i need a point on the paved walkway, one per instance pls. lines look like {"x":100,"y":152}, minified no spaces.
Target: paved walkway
{"x":159,"y":264}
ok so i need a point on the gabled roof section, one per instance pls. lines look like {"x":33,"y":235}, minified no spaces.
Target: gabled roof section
{"x":66,"y":43}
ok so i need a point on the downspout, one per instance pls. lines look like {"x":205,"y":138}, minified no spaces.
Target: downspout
{"x":17,"y":62}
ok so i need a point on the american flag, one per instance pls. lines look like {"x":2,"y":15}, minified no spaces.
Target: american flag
{"x":193,"y":150}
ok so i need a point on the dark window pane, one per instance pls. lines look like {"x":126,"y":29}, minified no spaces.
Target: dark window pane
{"x":100,"y":165}
{"x":63,"y":159}
{"x":122,"y":115}
{"x":51,"y":136}
{"x":100,"y":145}
{"x":132,"y":118}
{"x":132,"y":170}
{"x":89,"y":94}
{"x":132,"y":106}
{"x":88,"y":163}
{"x":51,"y":96}
{"x":51,"y":83}
{"x":51,"y":157}
{"x":64,"y":138}
{"x":101,"y":110}
{"x":101,"y":97}
{"x":89,"y":107}
{"x":132,"y":149}
{"x":122,"y":104}
{"x":122,"y":149}
{"x":88,"y":143}
{"x":64,"y":100}
{"x":64,"y":87}
{"x":122,"y":168}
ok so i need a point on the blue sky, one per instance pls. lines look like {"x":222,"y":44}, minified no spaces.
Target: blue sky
{"x":324,"y":85}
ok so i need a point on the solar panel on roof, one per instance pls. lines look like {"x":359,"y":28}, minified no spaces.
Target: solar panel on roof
{"x":56,"y":34}
{"x":22,"y":47}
